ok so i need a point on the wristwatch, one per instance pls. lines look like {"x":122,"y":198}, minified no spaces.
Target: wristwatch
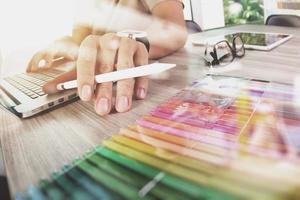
{"x":139,"y":36}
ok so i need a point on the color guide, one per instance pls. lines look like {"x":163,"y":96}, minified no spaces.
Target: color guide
{"x":220,"y":138}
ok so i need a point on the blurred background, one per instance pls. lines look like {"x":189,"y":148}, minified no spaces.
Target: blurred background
{"x":243,"y":11}
{"x":32,"y":24}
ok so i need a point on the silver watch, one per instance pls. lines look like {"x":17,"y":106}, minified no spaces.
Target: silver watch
{"x":140,"y":36}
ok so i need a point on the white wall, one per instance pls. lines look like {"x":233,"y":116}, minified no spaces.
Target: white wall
{"x":207,"y":13}
{"x":187,"y":10}
{"x":28,"y":25}
{"x":33,"y":22}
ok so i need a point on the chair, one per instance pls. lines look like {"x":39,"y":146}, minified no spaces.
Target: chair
{"x":283,"y":20}
{"x":4,"y":194}
{"x":192,"y":27}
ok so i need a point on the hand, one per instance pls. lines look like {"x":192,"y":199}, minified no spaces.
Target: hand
{"x":102,"y":54}
{"x":44,"y":59}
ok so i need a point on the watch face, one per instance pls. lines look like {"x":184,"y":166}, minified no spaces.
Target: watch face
{"x":132,"y":34}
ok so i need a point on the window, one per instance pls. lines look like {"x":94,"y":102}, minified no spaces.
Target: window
{"x":243,"y":11}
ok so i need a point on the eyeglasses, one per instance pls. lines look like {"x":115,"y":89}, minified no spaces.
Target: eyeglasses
{"x":222,"y":53}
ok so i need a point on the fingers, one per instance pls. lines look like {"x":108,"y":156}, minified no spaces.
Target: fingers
{"x":141,"y":83}
{"x":103,"y":98}
{"x":109,"y":45}
{"x":101,"y":55}
{"x":42,"y":59}
{"x":50,"y":87}
{"x":86,"y":67}
{"x":45,"y":58}
{"x":126,"y":53}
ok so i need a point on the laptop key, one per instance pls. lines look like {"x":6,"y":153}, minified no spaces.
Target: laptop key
{"x":31,"y":83}
{"x":36,"y":89}
{"x":41,"y":93}
{"x":41,"y":84}
{"x":34,"y":96}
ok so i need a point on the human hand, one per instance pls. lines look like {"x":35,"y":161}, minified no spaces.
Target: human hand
{"x":102,"y":54}
{"x":64,"y":48}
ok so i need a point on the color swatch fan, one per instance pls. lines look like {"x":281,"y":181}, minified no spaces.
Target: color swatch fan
{"x":220,"y":138}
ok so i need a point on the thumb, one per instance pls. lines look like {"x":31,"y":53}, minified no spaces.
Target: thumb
{"x":50,"y":87}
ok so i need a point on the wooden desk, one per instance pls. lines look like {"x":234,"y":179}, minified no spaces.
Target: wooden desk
{"x":35,"y":147}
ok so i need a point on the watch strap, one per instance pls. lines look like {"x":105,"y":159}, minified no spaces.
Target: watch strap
{"x":145,"y":41}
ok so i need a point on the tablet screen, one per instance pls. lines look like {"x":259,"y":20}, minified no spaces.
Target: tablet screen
{"x":258,"y":39}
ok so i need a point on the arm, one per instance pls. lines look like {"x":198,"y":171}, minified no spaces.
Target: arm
{"x":106,"y":53}
{"x":171,"y":12}
{"x":80,"y":32}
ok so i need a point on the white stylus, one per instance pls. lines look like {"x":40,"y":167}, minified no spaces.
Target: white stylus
{"x":144,"y":70}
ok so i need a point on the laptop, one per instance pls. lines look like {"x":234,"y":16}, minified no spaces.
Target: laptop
{"x":22,"y":94}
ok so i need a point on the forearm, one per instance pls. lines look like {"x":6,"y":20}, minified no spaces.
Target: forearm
{"x":161,"y":45}
{"x":168,"y":32}
{"x":79,"y":33}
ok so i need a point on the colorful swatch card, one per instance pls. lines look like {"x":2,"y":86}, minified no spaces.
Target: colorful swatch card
{"x":220,"y":138}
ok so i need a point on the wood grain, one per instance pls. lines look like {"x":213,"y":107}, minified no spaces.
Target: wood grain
{"x":35,"y":147}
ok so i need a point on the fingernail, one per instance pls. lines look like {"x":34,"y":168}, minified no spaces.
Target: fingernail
{"x":122,"y":104}
{"x":86,"y":92}
{"x":141,"y":93}
{"x":102,"y":106}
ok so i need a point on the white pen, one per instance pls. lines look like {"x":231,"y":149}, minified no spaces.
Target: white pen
{"x":144,"y":70}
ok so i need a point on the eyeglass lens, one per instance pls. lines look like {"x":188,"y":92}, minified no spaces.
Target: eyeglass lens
{"x":224,"y":53}
{"x":239,"y":46}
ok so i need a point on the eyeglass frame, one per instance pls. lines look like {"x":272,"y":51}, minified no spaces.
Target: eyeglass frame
{"x":232,"y":48}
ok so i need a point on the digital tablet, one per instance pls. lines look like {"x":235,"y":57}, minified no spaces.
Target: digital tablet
{"x":260,"y":41}
{"x":252,"y":40}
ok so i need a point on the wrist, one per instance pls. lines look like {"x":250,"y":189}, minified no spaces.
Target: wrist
{"x":63,"y":47}
{"x":145,"y":42}
{"x":139,"y":36}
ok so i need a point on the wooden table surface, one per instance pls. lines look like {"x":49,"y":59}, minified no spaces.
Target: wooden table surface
{"x":33,"y":148}
{"x":2,"y":167}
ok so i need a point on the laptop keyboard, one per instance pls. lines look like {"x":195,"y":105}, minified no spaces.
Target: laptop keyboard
{"x":31,"y":83}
